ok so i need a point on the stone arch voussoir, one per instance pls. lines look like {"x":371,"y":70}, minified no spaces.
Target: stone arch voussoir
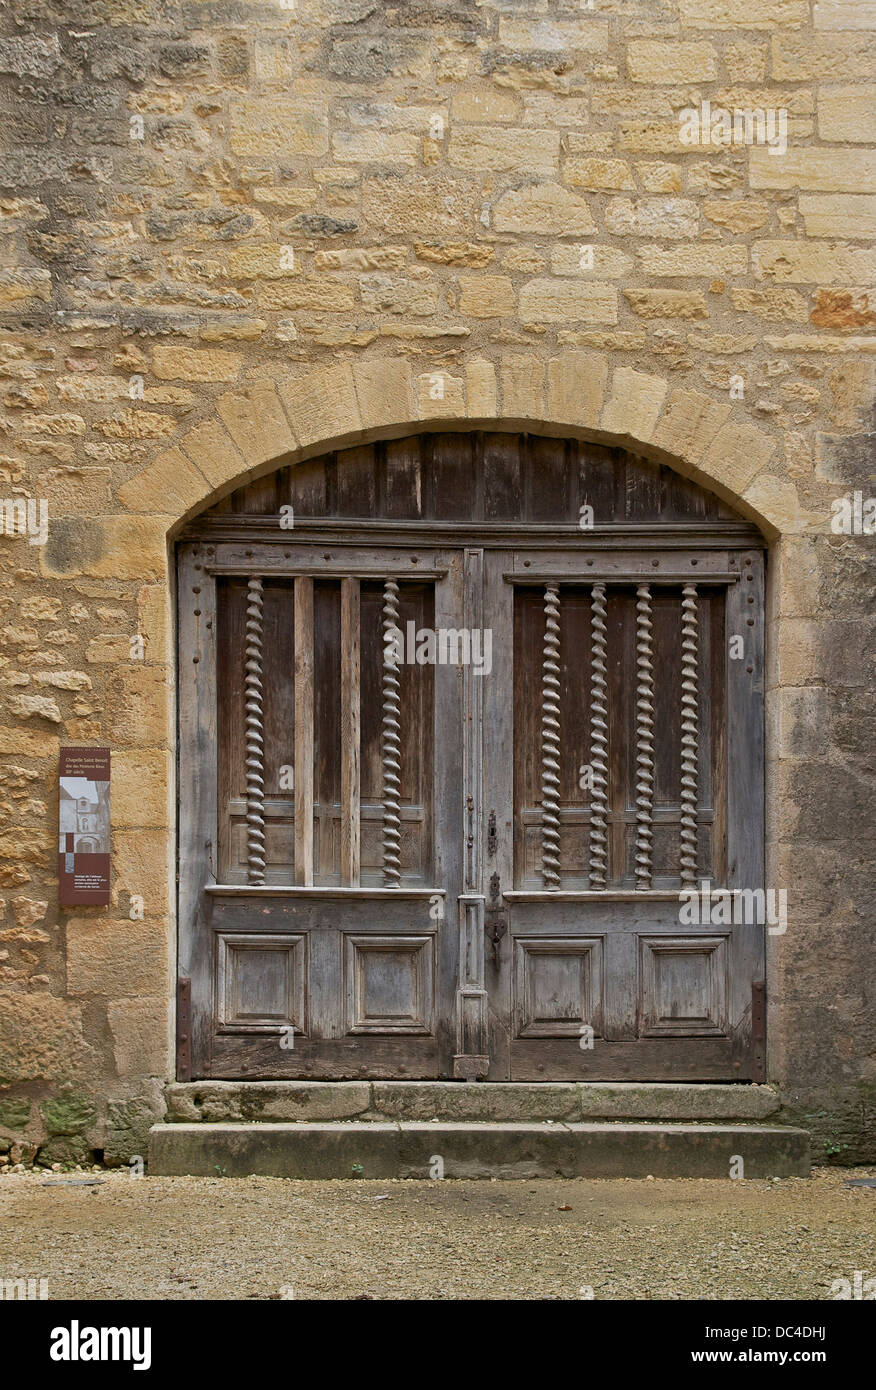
{"x":259,"y":427}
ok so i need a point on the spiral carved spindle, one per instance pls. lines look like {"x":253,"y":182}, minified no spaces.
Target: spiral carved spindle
{"x":598,"y":741}
{"x":391,"y":743}
{"x":550,"y":740}
{"x":644,"y":736}
{"x":689,"y":734}
{"x":255,"y":737}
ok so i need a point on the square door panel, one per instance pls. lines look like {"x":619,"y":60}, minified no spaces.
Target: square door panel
{"x":389,"y":984}
{"x":683,"y":986}
{"x":557,"y":985}
{"x":260,"y":982}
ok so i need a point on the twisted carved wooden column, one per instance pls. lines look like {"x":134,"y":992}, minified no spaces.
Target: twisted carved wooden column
{"x":550,"y":740}
{"x":689,"y":734}
{"x":391,"y":741}
{"x":644,"y":737}
{"x":598,"y":741}
{"x":255,"y":736}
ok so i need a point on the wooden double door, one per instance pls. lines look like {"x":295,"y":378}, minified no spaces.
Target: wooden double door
{"x":440,"y":794}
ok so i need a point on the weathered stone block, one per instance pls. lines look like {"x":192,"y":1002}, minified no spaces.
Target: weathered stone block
{"x":323,"y":405}
{"x":504,"y":150}
{"x":40,"y":1038}
{"x":812,"y":262}
{"x":141,"y":1038}
{"x":652,"y":60}
{"x":597,"y":174}
{"x":481,"y":389}
{"x":820,"y":170}
{"x":541,"y":208}
{"x":689,"y":423}
{"x":141,"y":783}
{"x":440,"y":396}
{"x":384,"y":391}
{"x":737,"y":454}
{"x":568,"y":301}
{"x":279,"y":128}
{"x":634,"y":404}
{"x":486,"y":296}
{"x":138,"y":704}
{"x":667,"y":304}
{"x":170,"y":484}
{"x":522,"y":387}
{"x":576,"y":388}
{"x":257,"y":423}
{"x":117,"y":958}
{"x":744,"y":14}
{"x":107,"y":547}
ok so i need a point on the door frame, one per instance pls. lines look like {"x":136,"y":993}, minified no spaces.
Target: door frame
{"x":479,"y":1043}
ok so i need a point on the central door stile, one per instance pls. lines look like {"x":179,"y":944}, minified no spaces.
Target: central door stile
{"x":351,"y":736}
{"x":304,"y":703}
{"x":471,"y":1058}
{"x":449,"y":811}
{"x":498,"y":800}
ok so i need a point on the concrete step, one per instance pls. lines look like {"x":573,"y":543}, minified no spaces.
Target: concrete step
{"x":413,"y":1149}
{"x":234,"y":1102}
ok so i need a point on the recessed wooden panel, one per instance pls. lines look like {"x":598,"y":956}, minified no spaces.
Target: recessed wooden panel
{"x":260,"y":982}
{"x":683,"y":989}
{"x":389,"y":984}
{"x":576,"y":750}
{"x":558,"y":986}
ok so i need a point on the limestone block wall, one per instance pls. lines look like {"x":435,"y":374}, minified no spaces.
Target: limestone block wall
{"x":238,"y":233}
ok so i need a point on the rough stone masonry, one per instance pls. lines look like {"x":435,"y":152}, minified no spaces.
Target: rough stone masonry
{"x":237,"y":231}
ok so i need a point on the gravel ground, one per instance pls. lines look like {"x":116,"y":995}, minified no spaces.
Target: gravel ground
{"x":268,"y":1238}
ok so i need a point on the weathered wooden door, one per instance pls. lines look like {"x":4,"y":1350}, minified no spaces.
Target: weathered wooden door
{"x":446,"y":759}
{"x":622,"y":765}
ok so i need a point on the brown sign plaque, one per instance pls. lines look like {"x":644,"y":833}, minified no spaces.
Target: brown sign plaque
{"x":84,"y":827}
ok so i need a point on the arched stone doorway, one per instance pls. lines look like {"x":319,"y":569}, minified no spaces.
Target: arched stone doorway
{"x":461,"y":713}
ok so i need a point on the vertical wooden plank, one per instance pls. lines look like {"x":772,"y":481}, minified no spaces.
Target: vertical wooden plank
{"x":745,"y":685}
{"x":473,"y":720}
{"x":198,"y":827}
{"x":304,"y":730}
{"x":550,"y":740}
{"x":503,"y":490}
{"x":350,"y":731}
{"x":446,"y":790}
{"x":471,"y":1058}
{"x":644,"y":737}
{"x":745,"y":793}
{"x":502,"y":716}
{"x":391,"y":739}
{"x":402,"y":480}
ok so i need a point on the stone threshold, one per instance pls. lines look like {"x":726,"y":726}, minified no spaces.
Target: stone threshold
{"x":432,"y":1150}
{"x":375,"y":1102}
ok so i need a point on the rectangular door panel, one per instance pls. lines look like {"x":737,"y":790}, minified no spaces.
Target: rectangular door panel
{"x":626,"y":712}
{"x":327,"y":844}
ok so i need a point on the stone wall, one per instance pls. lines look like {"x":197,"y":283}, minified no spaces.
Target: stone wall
{"x":241,"y":232}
